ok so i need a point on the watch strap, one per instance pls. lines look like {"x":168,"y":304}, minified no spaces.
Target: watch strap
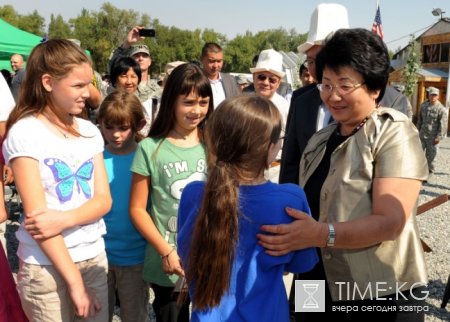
{"x":331,"y":235}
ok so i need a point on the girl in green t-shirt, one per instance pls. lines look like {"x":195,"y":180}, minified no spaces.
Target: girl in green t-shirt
{"x":165,"y":162}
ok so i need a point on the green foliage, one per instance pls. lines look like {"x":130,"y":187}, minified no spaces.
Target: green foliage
{"x":413,"y":64}
{"x":173,"y":44}
{"x":33,"y":22}
{"x":58,"y":28}
{"x":240,"y":52}
{"x":209,"y":35}
{"x":103,"y":31}
{"x":10,"y":15}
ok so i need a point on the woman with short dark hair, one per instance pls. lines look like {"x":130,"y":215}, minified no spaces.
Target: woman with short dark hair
{"x":362,"y":177}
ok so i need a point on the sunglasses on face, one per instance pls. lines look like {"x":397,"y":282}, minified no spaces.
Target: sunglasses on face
{"x":309,"y":62}
{"x":262,"y":78}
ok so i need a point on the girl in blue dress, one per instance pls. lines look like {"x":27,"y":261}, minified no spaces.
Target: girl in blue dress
{"x":230,"y":277}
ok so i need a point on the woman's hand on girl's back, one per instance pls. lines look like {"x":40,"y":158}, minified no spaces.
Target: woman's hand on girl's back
{"x":85,"y":301}
{"x":304,"y":232}
{"x":45,"y":223}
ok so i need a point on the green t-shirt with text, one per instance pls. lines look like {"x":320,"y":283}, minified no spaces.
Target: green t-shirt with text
{"x":170,"y":169}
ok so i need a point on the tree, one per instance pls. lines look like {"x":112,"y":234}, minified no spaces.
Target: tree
{"x":209,"y":35}
{"x":103,"y":31}
{"x":413,"y":64}
{"x":240,"y":52}
{"x":171,"y":44}
{"x":296,"y":39}
{"x":10,"y":15}
{"x":58,"y":28}
{"x":33,"y":22}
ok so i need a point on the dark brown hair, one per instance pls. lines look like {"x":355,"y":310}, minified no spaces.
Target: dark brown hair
{"x":238,"y":137}
{"x":183,"y":80}
{"x":211,"y":47}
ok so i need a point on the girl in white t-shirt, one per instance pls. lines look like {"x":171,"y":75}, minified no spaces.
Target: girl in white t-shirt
{"x":59,"y":172}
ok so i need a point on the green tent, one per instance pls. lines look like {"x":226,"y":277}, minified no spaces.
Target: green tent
{"x":14,"y":41}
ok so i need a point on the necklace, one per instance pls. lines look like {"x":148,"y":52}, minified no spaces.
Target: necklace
{"x":356,"y":129}
{"x":56,"y":126}
{"x":63,"y":134}
{"x":184,"y":137}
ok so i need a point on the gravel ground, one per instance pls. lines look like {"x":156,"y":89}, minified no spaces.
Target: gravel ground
{"x":433,"y":224}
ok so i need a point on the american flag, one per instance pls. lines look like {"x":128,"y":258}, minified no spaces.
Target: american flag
{"x":377,"y":27}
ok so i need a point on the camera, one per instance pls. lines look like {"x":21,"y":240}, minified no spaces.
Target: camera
{"x":147,"y":33}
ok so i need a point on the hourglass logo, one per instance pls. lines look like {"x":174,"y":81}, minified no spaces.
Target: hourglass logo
{"x":310,"y":296}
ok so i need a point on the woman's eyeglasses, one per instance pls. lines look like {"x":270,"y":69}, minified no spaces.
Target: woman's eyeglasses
{"x":341,"y":89}
{"x":263,"y":77}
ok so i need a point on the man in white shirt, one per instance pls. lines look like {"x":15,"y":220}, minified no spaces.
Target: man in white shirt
{"x":267,"y":76}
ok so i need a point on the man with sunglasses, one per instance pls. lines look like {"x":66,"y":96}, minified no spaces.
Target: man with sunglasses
{"x":267,"y":76}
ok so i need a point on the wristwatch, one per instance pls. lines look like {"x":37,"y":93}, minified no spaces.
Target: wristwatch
{"x":331,"y":235}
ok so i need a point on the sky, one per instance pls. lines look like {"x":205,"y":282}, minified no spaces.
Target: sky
{"x":400,"y":18}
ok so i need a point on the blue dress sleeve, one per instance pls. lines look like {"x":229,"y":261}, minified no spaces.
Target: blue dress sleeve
{"x":303,"y":260}
{"x":188,"y":209}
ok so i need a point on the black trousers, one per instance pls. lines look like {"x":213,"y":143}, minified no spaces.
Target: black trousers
{"x":166,"y":307}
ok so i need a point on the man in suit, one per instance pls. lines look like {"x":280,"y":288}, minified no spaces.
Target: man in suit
{"x":223,"y":85}
{"x":307,"y":113}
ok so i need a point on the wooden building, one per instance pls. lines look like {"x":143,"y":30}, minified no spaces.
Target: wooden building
{"x":435,"y":48}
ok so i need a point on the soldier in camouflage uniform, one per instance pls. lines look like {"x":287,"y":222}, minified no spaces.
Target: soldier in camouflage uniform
{"x":147,"y":88}
{"x":432,"y":125}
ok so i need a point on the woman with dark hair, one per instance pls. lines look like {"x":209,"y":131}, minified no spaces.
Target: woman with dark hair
{"x":126,"y":75}
{"x":362,"y":177}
